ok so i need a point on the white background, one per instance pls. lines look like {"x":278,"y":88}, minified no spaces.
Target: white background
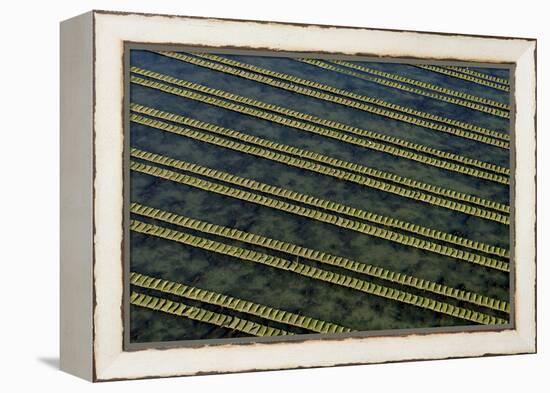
{"x":29,"y":206}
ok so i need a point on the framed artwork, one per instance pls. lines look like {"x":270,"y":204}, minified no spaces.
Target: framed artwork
{"x":245,"y":195}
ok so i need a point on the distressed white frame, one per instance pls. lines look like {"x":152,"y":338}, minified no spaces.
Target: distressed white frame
{"x":111,"y":30}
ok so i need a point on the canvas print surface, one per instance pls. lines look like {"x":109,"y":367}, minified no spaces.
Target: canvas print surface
{"x":270,"y":195}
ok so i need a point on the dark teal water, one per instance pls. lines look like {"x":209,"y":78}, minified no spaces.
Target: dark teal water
{"x":287,"y":290}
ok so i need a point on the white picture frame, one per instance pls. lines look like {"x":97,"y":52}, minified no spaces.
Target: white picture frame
{"x":92,"y":147}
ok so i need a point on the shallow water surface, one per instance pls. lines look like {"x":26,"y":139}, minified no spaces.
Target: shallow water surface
{"x":373,"y":189}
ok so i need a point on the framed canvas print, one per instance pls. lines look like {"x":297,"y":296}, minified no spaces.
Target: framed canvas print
{"x":245,"y":195}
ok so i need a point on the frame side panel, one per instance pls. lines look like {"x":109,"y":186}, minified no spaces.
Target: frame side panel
{"x":76,"y":193}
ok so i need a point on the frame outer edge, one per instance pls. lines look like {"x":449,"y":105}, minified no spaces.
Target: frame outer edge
{"x":526,"y":181}
{"x":76,"y":196}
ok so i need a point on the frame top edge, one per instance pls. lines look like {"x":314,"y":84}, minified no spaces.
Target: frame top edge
{"x":304,"y":25}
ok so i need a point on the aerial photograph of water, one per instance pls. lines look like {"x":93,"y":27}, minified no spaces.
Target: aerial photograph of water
{"x":272,"y":195}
